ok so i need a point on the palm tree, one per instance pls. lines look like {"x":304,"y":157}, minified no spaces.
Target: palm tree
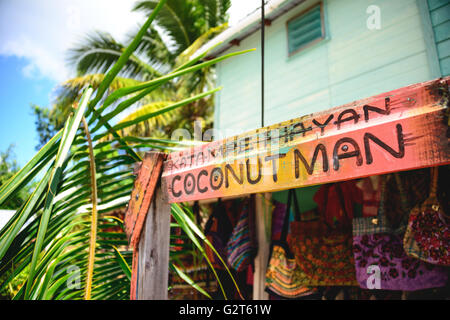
{"x":60,"y":240}
{"x":181,"y":27}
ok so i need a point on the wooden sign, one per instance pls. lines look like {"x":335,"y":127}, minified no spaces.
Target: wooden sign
{"x":403,"y":129}
{"x":142,"y":194}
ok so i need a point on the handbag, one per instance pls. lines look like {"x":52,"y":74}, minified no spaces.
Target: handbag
{"x":380,"y":260}
{"x":241,"y":247}
{"x":284,"y":278}
{"x":427,"y":235}
{"x":278,"y":211}
{"x":370,"y":196}
{"x":331,"y":204}
{"x":324,"y":252}
{"x":218,"y":229}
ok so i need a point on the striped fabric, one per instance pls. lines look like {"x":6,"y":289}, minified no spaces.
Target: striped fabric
{"x":284,"y":278}
{"x":240,"y":247}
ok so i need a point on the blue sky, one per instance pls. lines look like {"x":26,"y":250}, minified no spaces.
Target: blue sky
{"x":16,"y":94}
{"x":34,"y":36}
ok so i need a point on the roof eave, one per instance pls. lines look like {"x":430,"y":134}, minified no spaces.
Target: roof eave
{"x":249,"y":25}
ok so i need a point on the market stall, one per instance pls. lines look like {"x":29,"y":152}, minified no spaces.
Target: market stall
{"x":366,"y":165}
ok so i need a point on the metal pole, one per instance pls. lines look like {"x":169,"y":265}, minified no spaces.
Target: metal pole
{"x":262,"y":62}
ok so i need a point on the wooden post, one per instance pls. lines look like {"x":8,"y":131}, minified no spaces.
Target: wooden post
{"x":148,"y":173}
{"x":261,"y":260}
{"x":153,"y":259}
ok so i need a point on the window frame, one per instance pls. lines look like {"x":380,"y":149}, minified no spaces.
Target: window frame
{"x":311,"y":43}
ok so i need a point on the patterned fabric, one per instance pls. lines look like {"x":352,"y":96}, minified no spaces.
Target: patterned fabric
{"x":277,"y":219}
{"x":218,"y":229}
{"x":397,"y":271}
{"x":284,"y":277}
{"x":428,"y":233}
{"x":375,"y":225}
{"x":329,"y":202}
{"x":404,"y":191}
{"x":241,"y":247}
{"x":380,"y":260}
{"x":370,"y":196}
{"x":327,"y":259}
{"x":324,"y":254}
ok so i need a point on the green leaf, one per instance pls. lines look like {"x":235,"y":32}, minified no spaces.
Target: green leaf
{"x":186,"y":278}
{"x":128,"y":90}
{"x":123,"y":264}
{"x":65,"y":144}
{"x":125,"y":124}
{"x":123,"y":58}
{"x":15,"y":181}
{"x":24,"y":213}
{"x":190,"y":225}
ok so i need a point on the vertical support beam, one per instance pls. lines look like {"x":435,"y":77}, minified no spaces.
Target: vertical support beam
{"x":263,"y":238}
{"x":153,"y":264}
{"x":134,"y":274}
{"x":148,"y":173}
{"x":263,"y":25}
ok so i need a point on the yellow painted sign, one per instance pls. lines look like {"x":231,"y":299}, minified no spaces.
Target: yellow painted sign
{"x":400,"y":130}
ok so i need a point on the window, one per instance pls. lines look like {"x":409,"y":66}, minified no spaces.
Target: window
{"x":305,"y":29}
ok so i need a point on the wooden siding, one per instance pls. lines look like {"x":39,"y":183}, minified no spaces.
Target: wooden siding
{"x":351,"y":63}
{"x":440,"y":21}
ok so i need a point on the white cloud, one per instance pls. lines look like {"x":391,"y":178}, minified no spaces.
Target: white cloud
{"x":42,"y":31}
{"x":41,"y":62}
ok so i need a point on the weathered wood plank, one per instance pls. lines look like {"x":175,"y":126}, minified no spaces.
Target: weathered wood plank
{"x":403,"y":129}
{"x":144,"y":187}
{"x":134,"y":274}
{"x":153,"y":264}
{"x":262,"y":258}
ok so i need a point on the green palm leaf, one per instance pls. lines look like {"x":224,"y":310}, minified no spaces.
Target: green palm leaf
{"x":100,"y":51}
{"x":176,"y":18}
{"x":49,"y":242}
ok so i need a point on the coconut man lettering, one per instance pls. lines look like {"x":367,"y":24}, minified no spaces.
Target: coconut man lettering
{"x":390,"y":132}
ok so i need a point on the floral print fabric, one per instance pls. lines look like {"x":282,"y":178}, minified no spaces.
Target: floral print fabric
{"x":428,"y":234}
{"x":397,"y":271}
{"x":327,"y":259}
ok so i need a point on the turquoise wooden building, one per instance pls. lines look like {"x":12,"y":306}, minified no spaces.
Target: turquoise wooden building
{"x":321,"y":54}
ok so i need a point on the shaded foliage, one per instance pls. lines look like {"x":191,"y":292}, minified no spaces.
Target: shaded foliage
{"x":82,"y":177}
{"x":8,"y":168}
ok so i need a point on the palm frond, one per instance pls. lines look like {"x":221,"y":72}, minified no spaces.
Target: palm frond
{"x":155,"y":50}
{"x":199,"y":42}
{"x":70,"y":90}
{"x":99,"y":51}
{"x":144,"y":128}
{"x":215,"y":11}
{"x":176,"y":19}
{"x":47,"y":244}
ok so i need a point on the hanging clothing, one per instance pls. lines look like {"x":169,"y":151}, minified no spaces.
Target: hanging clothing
{"x":330,"y":201}
{"x":371,"y":194}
